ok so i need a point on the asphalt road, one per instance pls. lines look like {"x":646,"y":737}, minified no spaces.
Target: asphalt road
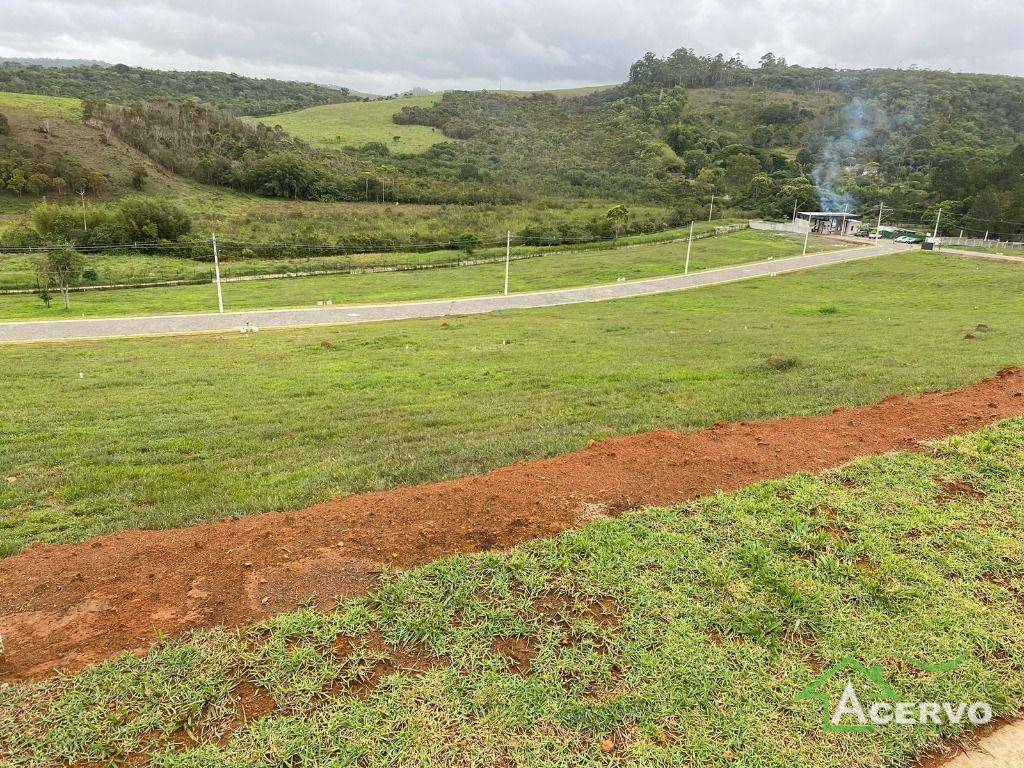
{"x":120,"y":327}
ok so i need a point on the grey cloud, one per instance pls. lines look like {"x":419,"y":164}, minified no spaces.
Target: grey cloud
{"x":391,"y":45}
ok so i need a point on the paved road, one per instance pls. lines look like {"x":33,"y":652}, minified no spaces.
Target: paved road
{"x":1002,"y":749}
{"x":117,"y":327}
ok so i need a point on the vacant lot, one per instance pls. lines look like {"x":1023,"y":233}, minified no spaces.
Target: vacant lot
{"x":360,"y":122}
{"x":666,"y":637}
{"x":169,"y":432}
{"x":558,"y":270}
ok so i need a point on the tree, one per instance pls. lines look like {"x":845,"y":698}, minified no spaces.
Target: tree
{"x":617,"y":216}
{"x":140,"y":219}
{"x":60,"y":269}
{"x":682,"y":137}
{"x":139,"y":175}
{"x":762,"y":136}
{"x":5,"y":127}
{"x":740,"y":169}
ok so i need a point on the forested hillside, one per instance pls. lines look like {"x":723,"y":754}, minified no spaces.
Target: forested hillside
{"x":232,"y":94}
{"x":685,"y":127}
{"x":680,"y":130}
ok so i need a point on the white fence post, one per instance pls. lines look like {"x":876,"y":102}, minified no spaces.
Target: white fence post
{"x":216,"y":270}
{"x":508,"y":257}
{"x":689,"y":244}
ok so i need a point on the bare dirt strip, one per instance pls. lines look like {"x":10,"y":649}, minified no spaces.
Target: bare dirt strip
{"x":70,"y":606}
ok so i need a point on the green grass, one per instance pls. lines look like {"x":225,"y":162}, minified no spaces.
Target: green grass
{"x":161,"y":433}
{"x":45,"y":106}
{"x":20,"y":270}
{"x":1000,"y":250}
{"x":360,"y":122}
{"x":668,"y":637}
{"x":558,"y":270}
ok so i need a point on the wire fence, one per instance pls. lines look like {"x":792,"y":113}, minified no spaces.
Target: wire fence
{"x":152,"y":265}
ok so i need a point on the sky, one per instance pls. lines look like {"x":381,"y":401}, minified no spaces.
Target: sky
{"x":388,"y":46}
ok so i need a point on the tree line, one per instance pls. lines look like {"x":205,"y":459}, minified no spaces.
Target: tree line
{"x":121,"y":84}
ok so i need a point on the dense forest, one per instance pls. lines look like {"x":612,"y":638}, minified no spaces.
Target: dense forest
{"x":120,"y":84}
{"x":770,"y":137}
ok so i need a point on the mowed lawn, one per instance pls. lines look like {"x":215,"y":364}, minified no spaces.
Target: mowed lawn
{"x":173,"y":431}
{"x":558,"y":270}
{"x":667,"y":637}
{"x":356,"y":123}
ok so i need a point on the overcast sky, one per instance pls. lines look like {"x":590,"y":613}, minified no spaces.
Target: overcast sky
{"x":384,"y":46}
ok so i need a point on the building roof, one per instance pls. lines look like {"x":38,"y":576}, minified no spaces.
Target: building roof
{"x":828,"y":214}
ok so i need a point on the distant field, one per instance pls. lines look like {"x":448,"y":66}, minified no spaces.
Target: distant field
{"x":48,"y":106}
{"x":169,"y":432}
{"x":360,"y":122}
{"x":558,"y":270}
{"x":565,"y":93}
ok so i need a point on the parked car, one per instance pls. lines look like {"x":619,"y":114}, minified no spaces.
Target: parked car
{"x":862,"y":233}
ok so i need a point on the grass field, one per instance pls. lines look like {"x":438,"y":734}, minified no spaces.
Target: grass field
{"x":169,"y":432}
{"x":45,"y":106}
{"x":675,"y":637}
{"x":557,"y":270}
{"x":359,"y":122}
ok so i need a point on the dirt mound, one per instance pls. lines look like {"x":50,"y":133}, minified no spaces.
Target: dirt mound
{"x":69,"y":606}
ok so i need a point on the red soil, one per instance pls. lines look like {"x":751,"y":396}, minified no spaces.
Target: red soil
{"x":70,"y":606}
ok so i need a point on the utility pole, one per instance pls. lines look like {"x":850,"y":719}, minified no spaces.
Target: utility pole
{"x":807,"y":236}
{"x":216,"y":270}
{"x":795,"y":203}
{"x":85,"y":223}
{"x":689,"y":244}
{"x":935,"y":234}
{"x":508,"y":257}
{"x":712,"y":211}
{"x":878,"y":229}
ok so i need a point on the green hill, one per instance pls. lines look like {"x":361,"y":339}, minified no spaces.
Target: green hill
{"x":358,"y":123}
{"x":48,"y":150}
{"x":121,"y":84}
{"x":679,"y":130}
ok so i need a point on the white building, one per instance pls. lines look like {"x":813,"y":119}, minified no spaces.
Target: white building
{"x":831,"y":222}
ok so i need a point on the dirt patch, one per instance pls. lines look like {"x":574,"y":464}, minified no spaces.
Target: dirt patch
{"x":520,"y":651}
{"x":70,"y":606}
{"x":951,"y":490}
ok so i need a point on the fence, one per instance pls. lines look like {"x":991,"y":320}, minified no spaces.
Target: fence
{"x":977,"y":242}
{"x":242,"y":262}
{"x":796,"y":227}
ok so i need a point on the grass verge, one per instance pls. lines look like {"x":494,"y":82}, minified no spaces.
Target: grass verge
{"x":561,"y":269}
{"x":162,"y":433}
{"x":20,"y":270}
{"x":666,"y":637}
